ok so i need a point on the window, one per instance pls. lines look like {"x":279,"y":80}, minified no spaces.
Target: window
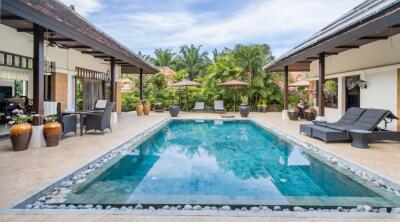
{"x":30,"y":63}
{"x":2,"y":58}
{"x":9,"y":59}
{"x":331,"y":92}
{"x":24,"y":62}
{"x":17,"y":61}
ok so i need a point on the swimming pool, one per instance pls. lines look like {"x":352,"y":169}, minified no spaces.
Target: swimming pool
{"x":215,"y":162}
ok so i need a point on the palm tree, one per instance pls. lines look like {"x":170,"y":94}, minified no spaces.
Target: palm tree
{"x":193,"y":60}
{"x":164,"y":57}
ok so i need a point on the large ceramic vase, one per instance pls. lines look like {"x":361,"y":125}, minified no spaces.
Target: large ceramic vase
{"x":244,"y":110}
{"x":293,"y":114}
{"x":139,"y":109}
{"x":20,"y":135}
{"x":310,"y":114}
{"x":52,"y":133}
{"x":174,"y":110}
{"x":146,"y":108}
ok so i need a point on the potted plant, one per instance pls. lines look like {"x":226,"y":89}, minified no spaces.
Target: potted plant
{"x":174,"y":109}
{"x":244,"y":108}
{"x":146,"y":107}
{"x":158,"y":107}
{"x":52,"y":131}
{"x":21,"y":131}
{"x":139,"y":108}
{"x":293,"y":112}
{"x":262,"y":107}
{"x":310,"y":113}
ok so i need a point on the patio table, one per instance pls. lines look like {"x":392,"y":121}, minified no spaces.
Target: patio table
{"x":81,"y":116}
{"x":360,"y":138}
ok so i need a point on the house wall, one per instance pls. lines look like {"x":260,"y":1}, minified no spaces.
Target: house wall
{"x":377,"y":63}
{"x":66,"y":61}
{"x":398,"y":98}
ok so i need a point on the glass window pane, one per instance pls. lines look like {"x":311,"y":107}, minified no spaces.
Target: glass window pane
{"x":24,"y":62}
{"x":30,"y":63}
{"x":9,"y":60}
{"x":17,"y":61}
{"x":2,"y":58}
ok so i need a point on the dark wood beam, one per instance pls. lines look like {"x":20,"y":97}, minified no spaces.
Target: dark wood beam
{"x":141,"y":84}
{"x":78,"y":47}
{"x":348,"y":47}
{"x":286,"y":89}
{"x":92,"y":52}
{"x":396,"y":26}
{"x":306,"y":62}
{"x":24,"y":30}
{"x":313,"y":57}
{"x":11,"y":17}
{"x":112,"y":70}
{"x":331,"y":53}
{"x":38,"y":69}
{"x":321,"y":94}
{"x":102,"y":56}
{"x":63,"y":40}
{"x":374,"y":38}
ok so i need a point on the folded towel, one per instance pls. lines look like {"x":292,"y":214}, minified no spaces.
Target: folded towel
{"x":50,"y":108}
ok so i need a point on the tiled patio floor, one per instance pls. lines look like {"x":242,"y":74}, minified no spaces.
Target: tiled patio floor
{"x":25,"y":173}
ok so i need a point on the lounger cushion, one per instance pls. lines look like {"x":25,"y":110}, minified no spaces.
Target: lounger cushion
{"x":350,"y":117}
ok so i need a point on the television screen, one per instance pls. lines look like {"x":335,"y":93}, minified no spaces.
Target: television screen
{"x":5,"y":92}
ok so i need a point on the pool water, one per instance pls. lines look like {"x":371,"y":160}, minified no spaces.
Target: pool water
{"x":224,"y":162}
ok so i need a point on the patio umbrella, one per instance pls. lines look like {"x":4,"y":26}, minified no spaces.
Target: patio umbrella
{"x":234,"y":84}
{"x":185,"y":84}
{"x":302,"y":83}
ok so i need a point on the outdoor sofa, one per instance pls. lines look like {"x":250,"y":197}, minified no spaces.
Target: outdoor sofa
{"x":354,"y":119}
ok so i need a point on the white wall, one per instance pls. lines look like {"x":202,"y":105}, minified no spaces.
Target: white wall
{"x":22,"y":44}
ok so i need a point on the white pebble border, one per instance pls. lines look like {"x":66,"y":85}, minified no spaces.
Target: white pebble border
{"x":51,"y":199}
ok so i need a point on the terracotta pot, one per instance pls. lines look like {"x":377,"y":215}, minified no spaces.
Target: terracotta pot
{"x":20,"y":135}
{"x":52,"y":133}
{"x":146,"y":109}
{"x":139,"y":109}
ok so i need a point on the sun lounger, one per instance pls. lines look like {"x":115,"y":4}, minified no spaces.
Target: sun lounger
{"x":219,"y":106}
{"x":368,"y":121}
{"x":350,"y":117}
{"x":198,"y":107}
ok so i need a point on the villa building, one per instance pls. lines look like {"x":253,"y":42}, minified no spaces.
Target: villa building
{"x":359,"y":54}
{"x":48,"y":52}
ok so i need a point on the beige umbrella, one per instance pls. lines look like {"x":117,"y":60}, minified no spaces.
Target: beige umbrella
{"x":185,"y":83}
{"x":234,"y":84}
{"x":302,"y":83}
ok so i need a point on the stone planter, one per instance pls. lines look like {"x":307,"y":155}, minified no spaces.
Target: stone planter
{"x":52,"y":133}
{"x":20,"y":136}
{"x":244,"y":110}
{"x":139,"y":109}
{"x":158,"y":107}
{"x":146,"y":109}
{"x":262,"y":109}
{"x":174,"y":110}
{"x":310,"y":114}
{"x":293,"y":114}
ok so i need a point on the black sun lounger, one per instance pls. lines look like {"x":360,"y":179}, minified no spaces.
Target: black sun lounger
{"x":350,"y":117}
{"x":368,"y":121}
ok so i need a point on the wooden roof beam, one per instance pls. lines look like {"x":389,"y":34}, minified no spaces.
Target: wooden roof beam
{"x":78,"y":47}
{"x":348,"y":47}
{"x":92,"y":52}
{"x":374,"y":38}
{"x":62,"y":39}
{"x":11,"y":17}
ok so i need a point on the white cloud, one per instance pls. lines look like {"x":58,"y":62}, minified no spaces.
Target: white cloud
{"x":280,"y":23}
{"x":84,"y":7}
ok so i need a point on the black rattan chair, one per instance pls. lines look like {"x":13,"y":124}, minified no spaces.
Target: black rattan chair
{"x":100,"y":121}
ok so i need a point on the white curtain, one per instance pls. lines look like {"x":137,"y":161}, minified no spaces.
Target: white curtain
{"x":92,"y":91}
{"x":11,"y":73}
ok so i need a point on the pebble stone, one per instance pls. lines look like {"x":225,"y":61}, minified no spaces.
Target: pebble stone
{"x":188,"y":207}
{"x":254,"y":209}
{"x":225,"y":208}
{"x":277,"y":208}
{"x":166,"y":207}
{"x":197,"y":207}
{"x":151,"y":208}
{"x":298,"y":209}
{"x":396,"y":210}
{"x":179,"y":207}
{"x":243,"y":209}
{"x":138,"y":207}
{"x":206,"y":208}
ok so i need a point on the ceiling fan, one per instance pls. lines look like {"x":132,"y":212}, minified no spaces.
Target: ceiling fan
{"x":52,"y":42}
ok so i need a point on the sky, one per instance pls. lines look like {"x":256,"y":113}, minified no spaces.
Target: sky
{"x":144,"y":25}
